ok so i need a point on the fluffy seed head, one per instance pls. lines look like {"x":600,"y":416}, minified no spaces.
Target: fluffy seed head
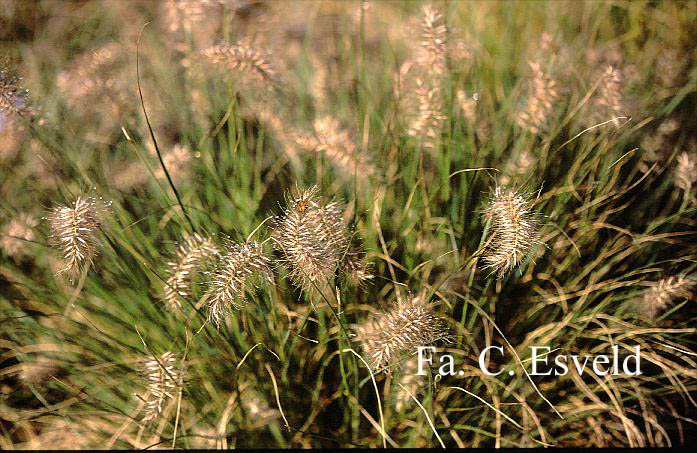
{"x":191,"y":256}
{"x":539,"y":103}
{"x":163,"y":380}
{"x":243,"y":59}
{"x":411,"y":381}
{"x":468,"y":105}
{"x":429,"y":118}
{"x":663,"y":292}
{"x":433,"y":40}
{"x":256,"y":406}
{"x":517,"y":166}
{"x":389,"y":335}
{"x":16,"y":233}
{"x":333,"y":141}
{"x":514,"y":230}
{"x":312,"y":236}
{"x":177,"y":161}
{"x":608,"y":101}
{"x":354,"y":265}
{"x":686,"y":172}
{"x":74,"y":231}
{"x":240,"y":268}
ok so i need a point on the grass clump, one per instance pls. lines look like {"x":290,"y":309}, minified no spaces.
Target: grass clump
{"x":525,"y":168}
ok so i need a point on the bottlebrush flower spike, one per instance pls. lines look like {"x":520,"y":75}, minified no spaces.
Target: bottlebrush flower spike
{"x":686,"y":172}
{"x":240,"y":267}
{"x":191,"y":256}
{"x":663,"y":292}
{"x":241,"y":58}
{"x":514,"y":230}
{"x":354,"y":266}
{"x":390,"y":335}
{"x":74,"y":231}
{"x":17,"y":233}
{"x":163,"y":380}
{"x":313,"y":238}
{"x":330,"y":139}
{"x":539,"y":103}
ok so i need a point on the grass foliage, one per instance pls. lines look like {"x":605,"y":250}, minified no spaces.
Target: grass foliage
{"x":523,"y":173}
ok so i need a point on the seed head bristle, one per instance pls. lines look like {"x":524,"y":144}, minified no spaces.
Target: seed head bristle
{"x":609,"y":98}
{"x":243,"y":59}
{"x":191,"y":256}
{"x":16,"y":233}
{"x":354,"y":265}
{"x":177,"y":161}
{"x":256,"y":406}
{"x":514,"y":230}
{"x":74,"y":231}
{"x":427,"y":119}
{"x":163,"y":380}
{"x":312,"y":236}
{"x":663,"y":292}
{"x":333,"y":141}
{"x":468,"y":105}
{"x":433,"y":40}
{"x":411,"y":381}
{"x":183,"y":14}
{"x":390,"y":335}
{"x":539,"y":103}
{"x":517,"y":166}
{"x":240,"y":269}
{"x":686,"y":172}
{"x":93,"y":78}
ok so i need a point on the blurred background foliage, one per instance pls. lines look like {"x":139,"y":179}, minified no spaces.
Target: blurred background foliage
{"x":409,"y":112}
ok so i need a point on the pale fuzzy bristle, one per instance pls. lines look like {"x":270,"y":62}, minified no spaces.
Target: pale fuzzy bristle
{"x":686,"y":172}
{"x":335,"y":142}
{"x":163,"y":380}
{"x":433,"y":40}
{"x":468,"y":105}
{"x":38,"y":370}
{"x":656,"y":146}
{"x":242,"y":59}
{"x":390,"y":335}
{"x":17,"y":233}
{"x":514,"y":230}
{"x":312,"y":236}
{"x":12,"y":134}
{"x":609,"y":102}
{"x":354,"y":266}
{"x":191,"y":257}
{"x":183,"y":14}
{"x":663,"y":292}
{"x":539,"y":103}
{"x":283,"y":132}
{"x":255,"y":406}
{"x":74,"y":231}
{"x":429,"y":119}
{"x":240,"y":268}
{"x":517,"y":166}
{"x":97,"y":91}
{"x":410,"y":380}
{"x":94,"y":78}
{"x":177,"y":161}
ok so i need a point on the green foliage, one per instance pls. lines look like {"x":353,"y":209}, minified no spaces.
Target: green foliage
{"x":600,"y":166}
